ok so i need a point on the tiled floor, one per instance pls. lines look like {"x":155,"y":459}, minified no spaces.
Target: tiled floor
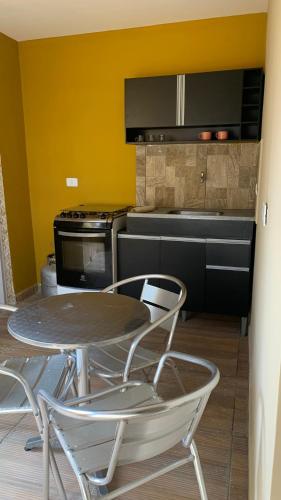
{"x":221,"y":437}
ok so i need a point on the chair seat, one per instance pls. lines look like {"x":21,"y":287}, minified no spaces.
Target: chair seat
{"x":110,"y":361}
{"x":41,"y":372}
{"x":91,"y":443}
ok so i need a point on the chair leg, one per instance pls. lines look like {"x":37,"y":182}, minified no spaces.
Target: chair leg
{"x":46,"y":470}
{"x":84,"y":487}
{"x":174,"y":367}
{"x":49,"y":460}
{"x":56,"y":475}
{"x":198,"y":471}
{"x":74,"y":389}
{"x":147,"y":373}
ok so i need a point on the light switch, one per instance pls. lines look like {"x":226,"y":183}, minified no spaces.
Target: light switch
{"x":72,"y":182}
{"x":264,"y":214}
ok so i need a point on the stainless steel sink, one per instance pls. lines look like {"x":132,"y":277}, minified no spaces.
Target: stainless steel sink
{"x":195,"y":212}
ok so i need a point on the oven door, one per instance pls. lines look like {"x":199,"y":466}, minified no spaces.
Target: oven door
{"x":83,"y":259}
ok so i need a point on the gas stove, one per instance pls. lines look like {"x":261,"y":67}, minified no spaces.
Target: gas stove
{"x":92,"y":213}
{"x":86,"y":246}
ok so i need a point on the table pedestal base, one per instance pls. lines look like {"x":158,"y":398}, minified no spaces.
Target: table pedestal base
{"x":33,"y":442}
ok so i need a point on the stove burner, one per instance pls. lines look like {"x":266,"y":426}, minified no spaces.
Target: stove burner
{"x":92,"y":211}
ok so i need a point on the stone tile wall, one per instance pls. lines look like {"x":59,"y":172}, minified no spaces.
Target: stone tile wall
{"x":170,"y":175}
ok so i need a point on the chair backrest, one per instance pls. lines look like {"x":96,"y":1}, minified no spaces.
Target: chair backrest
{"x":158,"y":299}
{"x":162,"y":425}
{"x":148,"y":429}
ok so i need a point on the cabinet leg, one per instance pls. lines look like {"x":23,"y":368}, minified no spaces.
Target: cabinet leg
{"x":185,"y":315}
{"x":244,"y":326}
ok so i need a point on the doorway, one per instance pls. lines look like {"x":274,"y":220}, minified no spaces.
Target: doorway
{"x":7,"y":292}
{"x":2,"y":294}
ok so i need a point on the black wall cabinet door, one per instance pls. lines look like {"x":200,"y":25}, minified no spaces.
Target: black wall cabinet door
{"x":213,"y":98}
{"x":151,"y":102}
{"x":186,"y":260}
{"x":135,"y":257}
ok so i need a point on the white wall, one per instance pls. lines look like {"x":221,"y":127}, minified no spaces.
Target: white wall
{"x":265,"y":332}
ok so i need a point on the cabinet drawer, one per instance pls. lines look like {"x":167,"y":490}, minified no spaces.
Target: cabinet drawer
{"x":228,"y":291}
{"x":229,"y":253}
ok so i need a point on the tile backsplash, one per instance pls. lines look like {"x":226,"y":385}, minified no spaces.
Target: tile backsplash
{"x":171,"y":175}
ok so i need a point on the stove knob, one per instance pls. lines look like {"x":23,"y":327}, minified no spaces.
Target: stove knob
{"x":69,"y":214}
{"x":76,"y":215}
{"x":82,"y":215}
{"x":102,"y":216}
{"x":63,"y":214}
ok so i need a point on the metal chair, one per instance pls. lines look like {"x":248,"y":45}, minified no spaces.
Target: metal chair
{"x":123,"y":425}
{"x":22,"y":378}
{"x":119,"y":359}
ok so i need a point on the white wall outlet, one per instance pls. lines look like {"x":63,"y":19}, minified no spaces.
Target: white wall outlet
{"x":72,"y":182}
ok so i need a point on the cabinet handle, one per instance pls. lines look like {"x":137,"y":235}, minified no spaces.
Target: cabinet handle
{"x":182,"y":99}
{"x":187,"y":240}
{"x":229,"y":268}
{"x":178,"y":110}
{"x":138,"y":237}
{"x":162,"y":238}
{"x":228,"y":242}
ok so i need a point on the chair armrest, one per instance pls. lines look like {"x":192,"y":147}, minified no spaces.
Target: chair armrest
{"x":211,"y":367}
{"x":146,"y":331}
{"x":14,"y":374}
{"x":6,"y":307}
{"x":45,"y":400}
{"x":91,"y":397}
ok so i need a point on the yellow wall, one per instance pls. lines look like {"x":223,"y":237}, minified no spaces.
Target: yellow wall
{"x":73,"y":103}
{"x":12,"y":151}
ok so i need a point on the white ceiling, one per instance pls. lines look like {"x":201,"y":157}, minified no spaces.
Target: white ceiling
{"x":30,"y":19}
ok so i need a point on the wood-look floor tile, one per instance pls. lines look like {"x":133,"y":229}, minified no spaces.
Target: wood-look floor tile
{"x":240,"y":424}
{"x":214,"y":447}
{"x":239,"y":468}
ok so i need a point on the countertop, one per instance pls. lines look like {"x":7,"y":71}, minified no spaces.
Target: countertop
{"x":224,"y":214}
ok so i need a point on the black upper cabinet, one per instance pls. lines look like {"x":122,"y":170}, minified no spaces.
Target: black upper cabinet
{"x":213,"y":98}
{"x":151,"y":102}
{"x":177,"y":108}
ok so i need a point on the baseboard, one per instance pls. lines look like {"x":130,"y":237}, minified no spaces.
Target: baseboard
{"x":27,"y":292}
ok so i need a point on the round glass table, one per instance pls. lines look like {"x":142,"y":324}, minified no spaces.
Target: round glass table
{"x":77,"y":320}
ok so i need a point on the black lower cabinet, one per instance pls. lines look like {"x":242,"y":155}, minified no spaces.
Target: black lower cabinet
{"x":228,"y":292}
{"x":137,"y":256}
{"x":178,"y":257}
{"x":217,"y":273}
{"x":186,"y":260}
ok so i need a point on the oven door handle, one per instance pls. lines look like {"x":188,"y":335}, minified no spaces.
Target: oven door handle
{"x":82,"y":235}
